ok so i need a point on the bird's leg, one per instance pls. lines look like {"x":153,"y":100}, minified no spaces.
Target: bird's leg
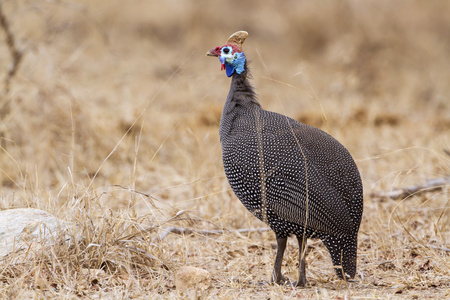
{"x":276,"y":275}
{"x":301,"y":261}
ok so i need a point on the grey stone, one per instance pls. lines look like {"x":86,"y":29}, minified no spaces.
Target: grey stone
{"x":24,"y":231}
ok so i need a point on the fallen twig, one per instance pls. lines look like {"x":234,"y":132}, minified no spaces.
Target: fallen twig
{"x":439,"y":248}
{"x":180,"y":230}
{"x":431,"y":185}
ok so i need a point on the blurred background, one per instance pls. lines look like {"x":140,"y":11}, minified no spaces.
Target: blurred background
{"x":125,"y":93}
{"x":117,"y":96}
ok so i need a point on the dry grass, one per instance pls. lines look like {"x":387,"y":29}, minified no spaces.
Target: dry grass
{"x":112,"y":124}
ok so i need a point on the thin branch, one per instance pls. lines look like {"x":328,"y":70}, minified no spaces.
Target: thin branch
{"x":446,"y":151}
{"x":16,"y":54}
{"x":431,"y":185}
{"x":180,"y":230}
{"x":439,"y":248}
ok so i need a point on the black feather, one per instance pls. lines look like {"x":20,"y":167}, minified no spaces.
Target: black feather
{"x":295,"y":177}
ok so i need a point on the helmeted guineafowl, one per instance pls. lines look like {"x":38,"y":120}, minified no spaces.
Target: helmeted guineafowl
{"x":296,"y":178}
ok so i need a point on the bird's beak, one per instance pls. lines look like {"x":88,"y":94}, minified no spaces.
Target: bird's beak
{"x":212,"y":52}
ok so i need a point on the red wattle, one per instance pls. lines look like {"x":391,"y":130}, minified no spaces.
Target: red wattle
{"x":223,"y":67}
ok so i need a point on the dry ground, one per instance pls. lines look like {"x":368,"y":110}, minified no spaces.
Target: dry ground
{"x":111,"y":122}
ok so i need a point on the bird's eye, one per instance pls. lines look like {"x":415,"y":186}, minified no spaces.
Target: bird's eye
{"x":226,"y":50}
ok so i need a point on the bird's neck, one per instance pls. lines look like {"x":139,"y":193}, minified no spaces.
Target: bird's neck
{"x":242,"y":93}
{"x":241,"y":100}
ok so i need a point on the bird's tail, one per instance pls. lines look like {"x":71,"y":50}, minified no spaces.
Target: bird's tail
{"x":343,"y":254}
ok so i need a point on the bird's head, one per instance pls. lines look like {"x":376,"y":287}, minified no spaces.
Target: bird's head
{"x":231,"y":55}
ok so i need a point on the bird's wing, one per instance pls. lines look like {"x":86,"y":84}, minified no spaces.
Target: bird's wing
{"x":300,"y":186}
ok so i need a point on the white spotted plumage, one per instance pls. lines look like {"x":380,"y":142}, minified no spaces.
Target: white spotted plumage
{"x":295,"y":177}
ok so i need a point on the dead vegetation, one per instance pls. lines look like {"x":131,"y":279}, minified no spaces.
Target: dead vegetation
{"x":112,"y":125}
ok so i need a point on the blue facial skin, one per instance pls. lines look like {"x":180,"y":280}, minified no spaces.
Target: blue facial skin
{"x":235,"y":63}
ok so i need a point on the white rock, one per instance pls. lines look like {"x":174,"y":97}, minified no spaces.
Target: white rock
{"x":192,"y":278}
{"x":25,"y":230}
